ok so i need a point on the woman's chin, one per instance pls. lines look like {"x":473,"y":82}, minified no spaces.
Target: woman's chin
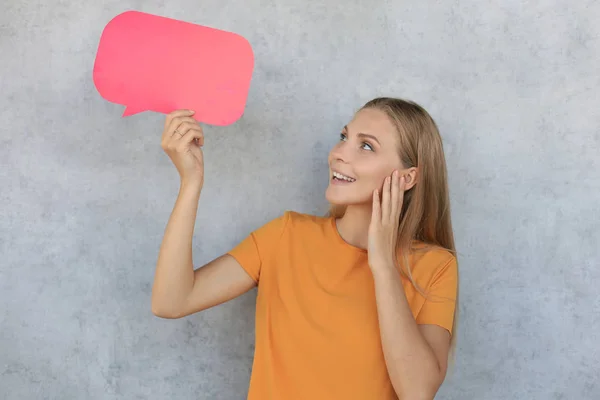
{"x":334,"y":198}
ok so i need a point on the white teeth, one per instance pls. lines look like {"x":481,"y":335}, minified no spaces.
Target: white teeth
{"x":343,"y":177}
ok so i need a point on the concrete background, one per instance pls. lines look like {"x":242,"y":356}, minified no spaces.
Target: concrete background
{"x":85,"y":194}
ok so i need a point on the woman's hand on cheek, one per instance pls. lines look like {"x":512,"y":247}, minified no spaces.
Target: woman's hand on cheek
{"x":385,"y":219}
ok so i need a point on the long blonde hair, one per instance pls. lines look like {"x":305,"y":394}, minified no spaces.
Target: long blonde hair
{"x":425,"y":213}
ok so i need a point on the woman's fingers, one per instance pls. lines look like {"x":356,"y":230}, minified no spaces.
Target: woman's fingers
{"x":187,"y":132}
{"x":183,"y":128}
{"x":376,"y":212}
{"x":400,"y":200}
{"x":190,"y":135}
{"x":183,"y":143}
{"x":183,"y":134}
{"x":394,"y":196}
{"x":176,"y":125}
{"x":177,"y":114}
{"x":385,"y":200}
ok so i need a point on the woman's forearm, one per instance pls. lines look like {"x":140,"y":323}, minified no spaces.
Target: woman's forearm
{"x":412,"y":365}
{"x":174,"y":275}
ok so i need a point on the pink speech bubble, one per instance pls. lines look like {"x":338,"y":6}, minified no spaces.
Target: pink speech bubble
{"x":147,"y":62}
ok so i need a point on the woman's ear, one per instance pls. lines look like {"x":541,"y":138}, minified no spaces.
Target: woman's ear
{"x":410,"y":175}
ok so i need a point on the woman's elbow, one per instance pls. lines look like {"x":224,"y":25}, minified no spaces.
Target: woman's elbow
{"x":165,"y":311}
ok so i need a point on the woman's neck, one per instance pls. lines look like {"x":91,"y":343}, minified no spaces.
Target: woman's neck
{"x":353,"y":226}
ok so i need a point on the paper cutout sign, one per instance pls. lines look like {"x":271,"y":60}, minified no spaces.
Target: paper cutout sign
{"x":148,"y":62}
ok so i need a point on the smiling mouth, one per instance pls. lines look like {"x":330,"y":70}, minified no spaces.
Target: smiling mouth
{"x":337,"y":177}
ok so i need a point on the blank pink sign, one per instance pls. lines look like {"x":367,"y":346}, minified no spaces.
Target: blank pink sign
{"x":148,"y":62}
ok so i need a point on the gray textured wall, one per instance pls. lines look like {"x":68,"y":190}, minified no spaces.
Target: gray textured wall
{"x":85,"y":194}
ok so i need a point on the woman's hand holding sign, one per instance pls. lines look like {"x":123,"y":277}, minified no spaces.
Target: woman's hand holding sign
{"x":182,"y":140}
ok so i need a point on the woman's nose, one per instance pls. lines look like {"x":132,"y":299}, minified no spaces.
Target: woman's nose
{"x":340,"y":152}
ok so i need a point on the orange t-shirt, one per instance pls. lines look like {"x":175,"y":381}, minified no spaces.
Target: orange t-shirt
{"x":317,"y":331}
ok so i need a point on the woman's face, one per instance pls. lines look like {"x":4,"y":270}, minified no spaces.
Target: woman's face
{"x":367,"y":153}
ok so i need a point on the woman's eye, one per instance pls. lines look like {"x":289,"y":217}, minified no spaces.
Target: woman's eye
{"x":365,"y":146}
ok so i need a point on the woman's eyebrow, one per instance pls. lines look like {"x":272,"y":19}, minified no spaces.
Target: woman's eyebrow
{"x":360,"y":134}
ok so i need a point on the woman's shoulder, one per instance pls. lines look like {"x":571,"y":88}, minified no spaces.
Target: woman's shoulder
{"x":428,"y":260}
{"x":291,"y":221}
{"x":301,"y":220}
{"x":433,"y":250}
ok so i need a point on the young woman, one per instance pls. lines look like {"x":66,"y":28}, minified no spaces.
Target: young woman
{"x":359,"y":304}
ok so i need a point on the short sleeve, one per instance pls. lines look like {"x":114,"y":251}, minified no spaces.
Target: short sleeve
{"x":255,"y":250}
{"x":440,"y":302}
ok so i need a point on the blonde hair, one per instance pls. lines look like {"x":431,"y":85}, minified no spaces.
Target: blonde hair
{"x":425,"y":213}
